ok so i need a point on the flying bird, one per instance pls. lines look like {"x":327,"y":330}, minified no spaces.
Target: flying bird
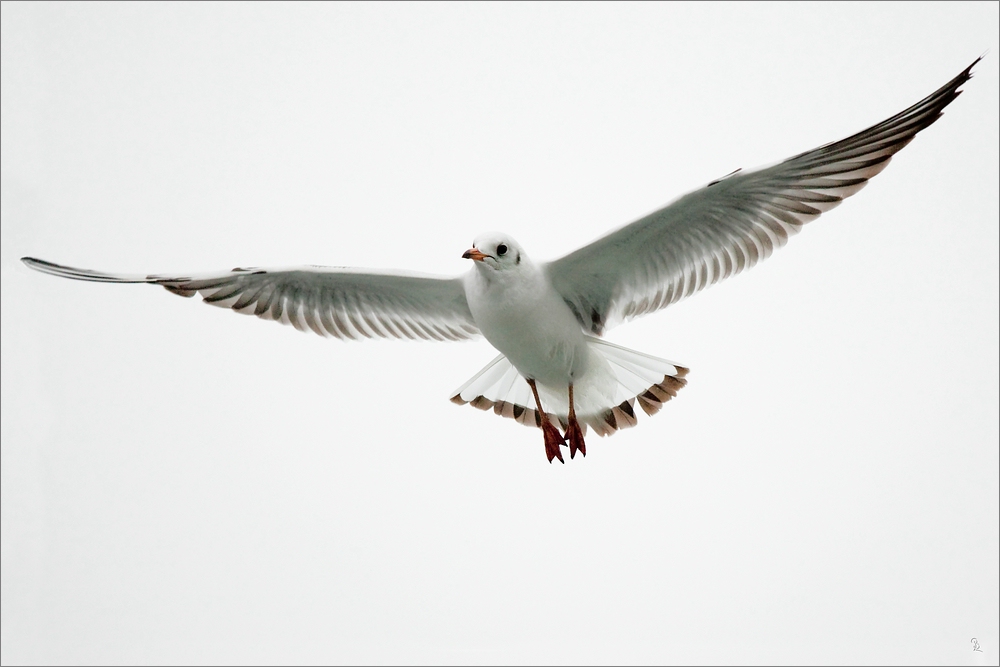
{"x":547,"y":319}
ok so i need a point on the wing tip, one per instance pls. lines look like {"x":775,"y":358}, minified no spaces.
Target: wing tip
{"x":39,"y":264}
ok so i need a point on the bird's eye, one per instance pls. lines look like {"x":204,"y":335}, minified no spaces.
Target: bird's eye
{"x":501,"y":249}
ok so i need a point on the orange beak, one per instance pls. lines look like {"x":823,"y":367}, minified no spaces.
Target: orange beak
{"x":472,"y":253}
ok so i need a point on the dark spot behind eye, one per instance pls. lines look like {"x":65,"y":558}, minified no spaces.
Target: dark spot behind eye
{"x":501,"y":249}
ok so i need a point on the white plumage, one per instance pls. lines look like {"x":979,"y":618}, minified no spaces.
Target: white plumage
{"x":546,"y":319}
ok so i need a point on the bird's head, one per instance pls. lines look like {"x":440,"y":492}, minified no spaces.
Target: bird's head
{"x":496,"y":251}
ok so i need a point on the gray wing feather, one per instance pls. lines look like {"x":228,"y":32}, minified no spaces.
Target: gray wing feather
{"x":338,"y":302}
{"x":730,"y":224}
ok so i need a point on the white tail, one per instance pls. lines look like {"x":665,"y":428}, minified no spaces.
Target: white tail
{"x":604,"y":398}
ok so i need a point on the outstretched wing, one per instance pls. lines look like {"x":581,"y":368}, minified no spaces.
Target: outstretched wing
{"x":344,"y":303}
{"x":730,"y":224}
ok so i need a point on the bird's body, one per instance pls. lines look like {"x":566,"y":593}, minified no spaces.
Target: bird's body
{"x":519,"y":312}
{"x":546,"y":319}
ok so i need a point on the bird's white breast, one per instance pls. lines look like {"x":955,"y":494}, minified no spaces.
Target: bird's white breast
{"x":523,"y":316}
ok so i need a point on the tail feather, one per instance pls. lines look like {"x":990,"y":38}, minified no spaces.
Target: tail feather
{"x":636,"y":377}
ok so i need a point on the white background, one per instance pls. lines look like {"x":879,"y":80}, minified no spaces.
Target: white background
{"x":182,"y":484}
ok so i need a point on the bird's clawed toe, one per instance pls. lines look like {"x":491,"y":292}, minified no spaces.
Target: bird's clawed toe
{"x":574,"y":435}
{"x":553,"y":441}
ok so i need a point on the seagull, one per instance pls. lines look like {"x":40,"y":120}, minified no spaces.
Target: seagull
{"x":555,"y":371}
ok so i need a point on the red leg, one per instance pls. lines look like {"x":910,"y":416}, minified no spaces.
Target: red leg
{"x":574,"y":434}
{"x":553,"y":439}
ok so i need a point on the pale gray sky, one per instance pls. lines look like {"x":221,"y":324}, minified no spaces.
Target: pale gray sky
{"x":184,"y":485}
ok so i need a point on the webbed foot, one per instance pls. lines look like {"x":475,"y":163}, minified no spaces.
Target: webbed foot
{"x":574,"y":435}
{"x":553,"y":441}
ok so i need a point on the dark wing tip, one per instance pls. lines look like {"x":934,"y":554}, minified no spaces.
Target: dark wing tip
{"x":34,"y":263}
{"x":58,"y":269}
{"x":968,"y":70}
{"x":74,"y":273}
